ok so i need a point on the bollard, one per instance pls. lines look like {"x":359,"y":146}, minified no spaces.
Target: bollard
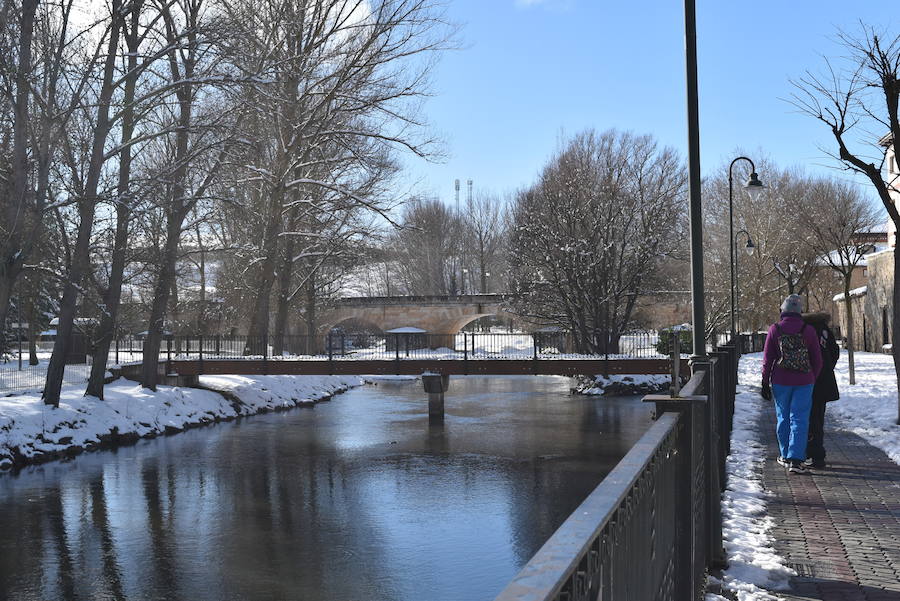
{"x":435,"y":385}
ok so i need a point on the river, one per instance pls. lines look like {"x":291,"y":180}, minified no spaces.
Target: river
{"x":356,"y":499}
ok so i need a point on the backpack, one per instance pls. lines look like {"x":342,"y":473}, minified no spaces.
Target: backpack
{"x":794,"y":354}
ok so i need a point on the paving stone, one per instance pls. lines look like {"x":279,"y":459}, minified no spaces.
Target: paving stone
{"x":839,"y":527}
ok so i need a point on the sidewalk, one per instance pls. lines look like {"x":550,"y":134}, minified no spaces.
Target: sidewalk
{"x":838,"y":528}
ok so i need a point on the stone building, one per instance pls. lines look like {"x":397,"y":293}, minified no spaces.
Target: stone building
{"x":872,"y":304}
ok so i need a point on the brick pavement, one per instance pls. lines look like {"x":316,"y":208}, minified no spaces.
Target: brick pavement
{"x":838,"y":527}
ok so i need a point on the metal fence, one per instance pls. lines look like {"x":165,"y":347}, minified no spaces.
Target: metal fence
{"x":411,"y":345}
{"x":653,"y":527}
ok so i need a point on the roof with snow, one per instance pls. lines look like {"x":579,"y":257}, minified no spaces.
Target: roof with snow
{"x":406,"y":330}
{"x":853,"y":293}
{"x":834,"y":257}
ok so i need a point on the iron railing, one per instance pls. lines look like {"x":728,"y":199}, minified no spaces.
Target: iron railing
{"x":653,"y":527}
{"x":412,"y":345}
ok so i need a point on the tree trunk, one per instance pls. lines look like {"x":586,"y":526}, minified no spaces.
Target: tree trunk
{"x":111,"y":299}
{"x":86,"y":208}
{"x":113,"y":296}
{"x":895,"y":325}
{"x":11,"y":265}
{"x":285,"y":273}
{"x":30,"y":316}
{"x":848,"y":307}
{"x":164,"y":282}
{"x":178,"y":206}
{"x":284,"y":294}
{"x":6,"y":288}
{"x":259,"y":320}
{"x":310,"y":316}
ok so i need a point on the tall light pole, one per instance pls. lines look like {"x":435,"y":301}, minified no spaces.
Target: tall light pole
{"x":753,"y":187}
{"x":735,"y":296}
{"x":698,"y":309}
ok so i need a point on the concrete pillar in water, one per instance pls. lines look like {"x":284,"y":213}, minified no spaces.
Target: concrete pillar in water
{"x":435,"y":385}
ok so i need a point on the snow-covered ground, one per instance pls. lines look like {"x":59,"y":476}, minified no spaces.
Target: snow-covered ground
{"x":755,"y":568}
{"x":869,"y":408}
{"x":29,"y":429}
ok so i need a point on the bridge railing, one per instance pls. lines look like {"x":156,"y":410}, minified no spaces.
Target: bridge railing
{"x":653,"y":527}
{"x":398,"y":345}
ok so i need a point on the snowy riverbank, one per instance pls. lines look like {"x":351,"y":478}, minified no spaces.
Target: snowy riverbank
{"x":623,"y":384}
{"x":32,"y":432}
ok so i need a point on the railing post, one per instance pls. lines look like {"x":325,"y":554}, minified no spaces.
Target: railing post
{"x":343,"y":345}
{"x":330,"y":355}
{"x":690,"y":499}
{"x":397,"y":348}
{"x":715,"y":460}
{"x":465,"y":354}
{"x":117,"y":350}
{"x":218,"y":345}
{"x":534,"y":338}
{"x":201,"y":354}
{"x":168,"y":354}
{"x":265,"y":347}
{"x":676,"y":366}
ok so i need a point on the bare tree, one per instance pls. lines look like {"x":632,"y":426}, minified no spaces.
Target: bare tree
{"x":484,"y":235}
{"x":191,"y":157}
{"x":835,"y":214}
{"x":424,"y":247}
{"x":86,"y":195}
{"x":589,"y":235}
{"x":859,"y":93}
{"x":336,"y":85}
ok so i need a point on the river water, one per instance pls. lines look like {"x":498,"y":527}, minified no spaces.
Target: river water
{"x":356,"y":499}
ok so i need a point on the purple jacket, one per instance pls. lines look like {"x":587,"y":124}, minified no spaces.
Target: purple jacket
{"x":791,"y":323}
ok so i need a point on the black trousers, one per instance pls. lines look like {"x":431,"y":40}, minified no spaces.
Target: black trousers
{"x":815,"y":446}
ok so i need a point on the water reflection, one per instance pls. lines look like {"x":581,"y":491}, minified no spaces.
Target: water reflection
{"x":358,"y":498}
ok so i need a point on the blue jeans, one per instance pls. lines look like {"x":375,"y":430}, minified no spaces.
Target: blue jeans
{"x":792,"y":404}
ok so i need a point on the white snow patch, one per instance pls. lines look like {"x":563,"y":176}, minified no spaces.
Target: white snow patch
{"x":869,"y":408}
{"x":853,"y":293}
{"x":754,"y":567}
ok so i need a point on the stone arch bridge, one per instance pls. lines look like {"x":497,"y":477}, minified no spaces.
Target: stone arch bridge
{"x":437,"y":315}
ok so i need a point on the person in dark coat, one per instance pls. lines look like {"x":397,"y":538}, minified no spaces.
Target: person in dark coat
{"x":825,"y":389}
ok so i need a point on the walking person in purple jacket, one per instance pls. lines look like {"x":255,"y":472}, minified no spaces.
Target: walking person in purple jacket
{"x":792,"y":360}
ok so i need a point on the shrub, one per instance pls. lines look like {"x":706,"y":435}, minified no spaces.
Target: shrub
{"x":685,"y":338}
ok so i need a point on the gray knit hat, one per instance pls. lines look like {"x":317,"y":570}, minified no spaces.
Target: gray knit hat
{"x":792,"y":304}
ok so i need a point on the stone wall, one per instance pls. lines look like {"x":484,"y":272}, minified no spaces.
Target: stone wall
{"x":872,"y":310}
{"x":878,"y":304}
{"x":857,"y":303}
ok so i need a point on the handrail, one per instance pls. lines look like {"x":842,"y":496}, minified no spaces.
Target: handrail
{"x":544,"y":576}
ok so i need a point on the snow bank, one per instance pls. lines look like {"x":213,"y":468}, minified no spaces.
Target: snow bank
{"x":624,"y":384}
{"x":754,"y":567}
{"x":869,"y":408}
{"x":31,"y":431}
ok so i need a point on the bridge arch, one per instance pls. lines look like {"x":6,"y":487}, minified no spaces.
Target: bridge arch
{"x":437,"y":315}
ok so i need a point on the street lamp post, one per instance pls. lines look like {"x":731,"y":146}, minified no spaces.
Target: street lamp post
{"x":698,"y":309}
{"x":749,"y":248}
{"x":753,"y":187}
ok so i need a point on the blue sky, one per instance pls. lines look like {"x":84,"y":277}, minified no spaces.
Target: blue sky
{"x":533,"y":71}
